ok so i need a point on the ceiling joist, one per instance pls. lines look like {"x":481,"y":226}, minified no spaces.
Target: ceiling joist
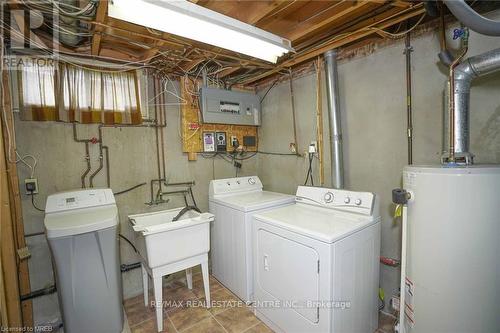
{"x":102,"y":9}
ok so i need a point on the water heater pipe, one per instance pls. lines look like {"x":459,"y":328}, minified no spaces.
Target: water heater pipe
{"x":402,"y":301}
{"x":333,"y":100}
{"x":462,"y":77}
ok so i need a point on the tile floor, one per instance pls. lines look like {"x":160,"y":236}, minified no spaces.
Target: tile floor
{"x":184,"y":311}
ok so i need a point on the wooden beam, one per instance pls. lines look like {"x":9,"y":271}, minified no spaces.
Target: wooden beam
{"x":335,"y":43}
{"x":396,"y":3}
{"x":339,"y":12}
{"x":348,"y":23}
{"x":100,"y":17}
{"x":15,"y":203}
{"x":249,"y":12}
{"x":10,"y":304}
{"x":279,"y":13}
{"x":188,"y":66}
{"x":228,"y":71}
{"x":150,"y":54}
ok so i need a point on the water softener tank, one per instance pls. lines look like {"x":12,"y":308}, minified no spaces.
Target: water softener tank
{"x":81,"y":228}
{"x":453,"y":246}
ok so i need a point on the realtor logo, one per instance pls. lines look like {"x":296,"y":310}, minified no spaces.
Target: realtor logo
{"x":31,"y":28}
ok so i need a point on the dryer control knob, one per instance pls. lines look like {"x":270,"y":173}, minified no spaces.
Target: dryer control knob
{"x":251,"y":181}
{"x":358,"y":202}
{"x":328,"y":197}
{"x":347,"y":200}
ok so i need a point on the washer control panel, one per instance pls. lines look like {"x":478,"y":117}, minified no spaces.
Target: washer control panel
{"x":234,"y":185}
{"x":357,"y":202}
{"x":64,"y":201}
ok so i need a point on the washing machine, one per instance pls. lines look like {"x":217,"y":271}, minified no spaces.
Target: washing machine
{"x":316,"y":262}
{"x":81,"y":228}
{"x":233,"y":202}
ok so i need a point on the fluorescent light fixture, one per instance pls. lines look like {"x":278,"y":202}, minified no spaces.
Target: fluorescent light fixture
{"x":185,"y":19}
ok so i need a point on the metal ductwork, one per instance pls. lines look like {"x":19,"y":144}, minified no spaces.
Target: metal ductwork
{"x":470,"y":18}
{"x":332,"y":93}
{"x":463,"y":75}
{"x":69,"y":34}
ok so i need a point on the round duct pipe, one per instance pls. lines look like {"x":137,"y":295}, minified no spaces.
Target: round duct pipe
{"x":470,"y":18}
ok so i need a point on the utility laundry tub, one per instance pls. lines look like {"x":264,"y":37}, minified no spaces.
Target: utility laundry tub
{"x":167,"y":245}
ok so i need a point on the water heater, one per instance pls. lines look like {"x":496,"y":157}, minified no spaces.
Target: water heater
{"x":452,"y":275}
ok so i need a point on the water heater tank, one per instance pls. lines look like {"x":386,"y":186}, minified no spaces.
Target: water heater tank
{"x":453,"y":248}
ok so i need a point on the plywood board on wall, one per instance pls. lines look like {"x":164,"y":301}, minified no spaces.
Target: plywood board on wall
{"x":193,"y":128}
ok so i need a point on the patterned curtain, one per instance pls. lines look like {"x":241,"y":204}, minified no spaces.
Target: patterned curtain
{"x":73,"y":93}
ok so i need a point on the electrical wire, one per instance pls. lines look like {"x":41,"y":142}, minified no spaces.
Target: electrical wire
{"x":278,"y":154}
{"x":310,"y":171}
{"x":129,"y":242}
{"x":268,"y":90}
{"x":129,"y":189}
{"x":33,"y":202}
{"x":400,"y":34}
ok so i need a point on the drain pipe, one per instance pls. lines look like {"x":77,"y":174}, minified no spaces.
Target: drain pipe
{"x":332,"y":93}
{"x":463,"y":75}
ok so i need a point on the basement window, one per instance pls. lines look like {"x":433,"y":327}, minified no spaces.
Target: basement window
{"x":38,"y":87}
{"x":74,"y":93}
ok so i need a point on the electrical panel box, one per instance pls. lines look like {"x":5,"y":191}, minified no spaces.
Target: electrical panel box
{"x":221,"y":141}
{"x":209,"y":141}
{"x":219,"y":106}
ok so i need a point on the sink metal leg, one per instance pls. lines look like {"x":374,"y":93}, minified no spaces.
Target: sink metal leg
{"x":157,"y":286}
{"x":206,"y":281}
{"x":189,"y":278}
{"x":145,"y":287}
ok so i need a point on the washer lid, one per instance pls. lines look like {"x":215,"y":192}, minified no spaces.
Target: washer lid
{"x":323,"y":224}
{"x":80,"y":221}
{"x":247,"y":202}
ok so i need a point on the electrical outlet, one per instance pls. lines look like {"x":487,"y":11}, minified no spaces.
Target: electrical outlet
{"x":31,"y":185}
{"x":315,"y":144}
{"x":23,"y":253}
{"x":234,"y":142}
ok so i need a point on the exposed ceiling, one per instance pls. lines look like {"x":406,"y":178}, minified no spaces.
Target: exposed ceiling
{"x":313,"y":26}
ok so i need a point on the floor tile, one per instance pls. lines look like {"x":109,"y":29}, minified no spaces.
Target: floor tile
{"x":208,"y":325}
{"x":222,"y":299}
{"x":237,"y":320}
{"x":137,"y":313}
{"x":259,"y":328}
{"x":185,"y":317}
{"x":149,"y":326}
{"x":136,"y":299}
{"x":173,"y":298}
{"x":199,"y":289}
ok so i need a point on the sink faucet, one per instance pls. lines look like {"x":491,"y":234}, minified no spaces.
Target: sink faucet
{"x":184,"y":211}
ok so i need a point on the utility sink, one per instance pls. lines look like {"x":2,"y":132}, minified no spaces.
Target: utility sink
{"x":170,"y":241}
{"x":161,"y":241}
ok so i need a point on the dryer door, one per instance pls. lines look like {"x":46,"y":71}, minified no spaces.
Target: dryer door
{"x":288,"y":272}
